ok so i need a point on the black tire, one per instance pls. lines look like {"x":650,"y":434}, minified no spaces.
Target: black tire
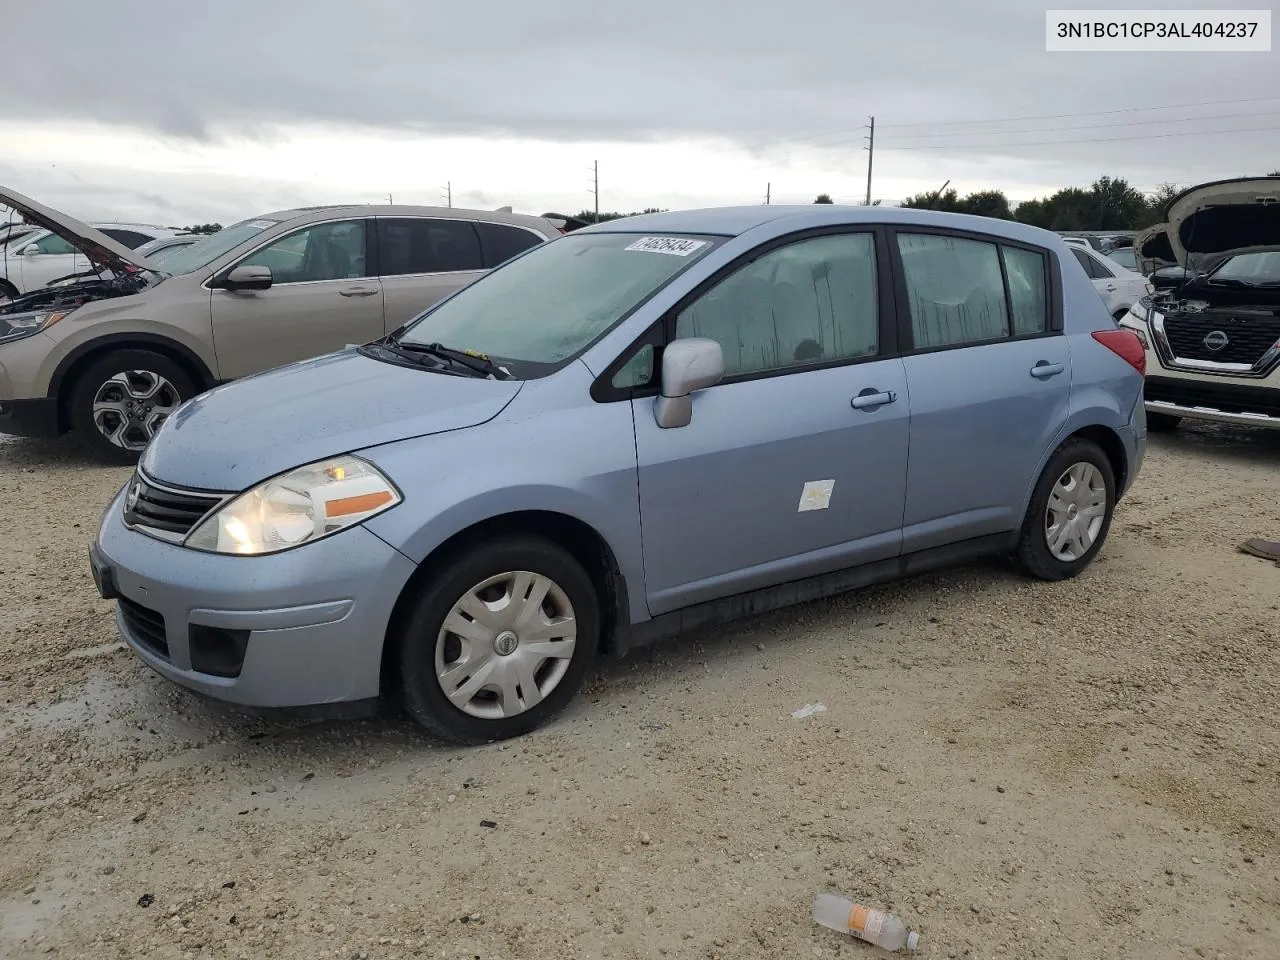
{"x":96,"y":376}
{"x":421,"y":691}
{"x":1162,"y":422}
{"x":7,"y":290}
{"x":1033,"y":552}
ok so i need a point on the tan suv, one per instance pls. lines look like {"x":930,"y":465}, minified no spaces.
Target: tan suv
{"x":110,"y":353}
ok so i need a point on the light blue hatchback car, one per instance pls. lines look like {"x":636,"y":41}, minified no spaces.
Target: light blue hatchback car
{"x":637,"y":429}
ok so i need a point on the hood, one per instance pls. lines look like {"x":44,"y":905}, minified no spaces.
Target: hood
{"x":240,"y":434}
{"x":1152,"y":250}
{"x":102,"y":251}
{"x":1212,"y":221}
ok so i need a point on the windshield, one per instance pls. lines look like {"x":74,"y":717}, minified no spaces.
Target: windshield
{"x":165,"y":254}
{"x":1256,"y":268}
{"x":546,"y":307}
{"x":204,"y":252}
{"x":1124,"y":256}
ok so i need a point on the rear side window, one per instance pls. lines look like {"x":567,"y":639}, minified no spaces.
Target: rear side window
{"x":962,"y":291}
{"x":1092,"y":267}
{"x":955,"y":290}
{"x":424,"y":245}
{"x":501,"y":242}
{"x":130,"y":238}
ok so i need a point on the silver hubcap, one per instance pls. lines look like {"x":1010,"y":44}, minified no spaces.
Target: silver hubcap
{"x":1077,"y":508}
{"x":505,"y":645}
{"x":129,"y":408}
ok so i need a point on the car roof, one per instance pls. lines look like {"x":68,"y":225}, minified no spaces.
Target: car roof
{"x":734,"y":221}
{"x":308,"y":214}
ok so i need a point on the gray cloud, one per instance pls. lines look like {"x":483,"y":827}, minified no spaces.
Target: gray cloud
{"x":765,"y":75}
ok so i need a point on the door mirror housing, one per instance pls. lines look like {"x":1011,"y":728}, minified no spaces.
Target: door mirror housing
{"x":248,"y":276}
{"x":688,"y":365}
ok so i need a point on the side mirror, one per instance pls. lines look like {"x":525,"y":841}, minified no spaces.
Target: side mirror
{"x":248,"y":276}
{"x":688,"y":365}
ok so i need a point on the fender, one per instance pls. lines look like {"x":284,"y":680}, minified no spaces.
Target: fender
{"x":595,"y":485}
{"x":124,"y":341}
{"x":1091,"y":407}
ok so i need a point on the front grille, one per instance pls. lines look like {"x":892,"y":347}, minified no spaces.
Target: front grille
{"x":1224,"y":397}
{"x":162,"y":508}
{"x":145,"y":626}
{"x":1247,"y":338}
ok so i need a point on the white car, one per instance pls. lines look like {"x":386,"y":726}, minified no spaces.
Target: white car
{"x":41,"y":257}
{"x":1119,"y":287}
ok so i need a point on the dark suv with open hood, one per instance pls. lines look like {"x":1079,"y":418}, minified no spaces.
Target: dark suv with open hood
{"x":1213,"y":334}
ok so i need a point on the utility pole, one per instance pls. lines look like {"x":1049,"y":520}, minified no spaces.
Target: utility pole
{"x":595,"y":186}
{"x":768,"y":189}
{"x":390,"y":202}
{"x":448,"y":194}
{"x":871,"y":153}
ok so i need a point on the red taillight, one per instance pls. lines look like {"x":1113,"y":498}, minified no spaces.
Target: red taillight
{"x":1126,"y":345}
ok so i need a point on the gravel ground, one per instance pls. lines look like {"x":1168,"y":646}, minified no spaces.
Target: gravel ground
{"x":1086,"y":769}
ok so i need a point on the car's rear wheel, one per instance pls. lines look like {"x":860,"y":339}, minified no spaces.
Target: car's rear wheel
{"x":499,"y":640}
{"x":1070,"y":512}
{"x":119,"y":402}
{"x":1162,"y":422}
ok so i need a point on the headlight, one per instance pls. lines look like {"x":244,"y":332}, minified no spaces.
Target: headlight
{"x":15,"y":326}
{"x":297,"y":507}
{"x":1136,"y":322}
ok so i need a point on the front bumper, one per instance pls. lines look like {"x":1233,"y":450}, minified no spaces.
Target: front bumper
{"x":295,"y":629}
{"x":29,"y":418}
{"x":1202,"y":398}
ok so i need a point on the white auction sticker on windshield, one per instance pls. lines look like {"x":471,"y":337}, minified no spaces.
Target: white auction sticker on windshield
{"x":676,"y":246}
{"x":262,"y":224}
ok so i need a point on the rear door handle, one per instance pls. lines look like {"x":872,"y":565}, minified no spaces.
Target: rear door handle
{"x":871,"y":398}
{"x":1111,"y":288}
{"x":357,"y":292}
{"x":1044,"y":370}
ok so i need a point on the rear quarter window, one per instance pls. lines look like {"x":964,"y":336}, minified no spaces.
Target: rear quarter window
{"x":500,"y":242}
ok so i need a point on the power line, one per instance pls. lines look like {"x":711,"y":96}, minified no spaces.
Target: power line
{"x":851,"y":136}
{"x":1087,"y":126}
{"x":1069,"y":143}
{"x":1090,"y":113}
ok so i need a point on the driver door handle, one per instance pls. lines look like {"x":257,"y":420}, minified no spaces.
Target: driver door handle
{"x":871,"y":398}
{"x":357,"y":292}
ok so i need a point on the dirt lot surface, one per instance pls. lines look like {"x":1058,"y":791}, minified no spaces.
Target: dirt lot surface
{"x":1087,"y":769}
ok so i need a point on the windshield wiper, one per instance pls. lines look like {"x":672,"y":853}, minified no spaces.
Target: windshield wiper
{"x":475,"y":362}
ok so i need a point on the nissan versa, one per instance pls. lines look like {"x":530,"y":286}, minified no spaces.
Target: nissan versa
{"x":633,"y":430}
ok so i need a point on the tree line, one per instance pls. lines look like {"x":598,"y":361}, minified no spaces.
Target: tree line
{"x":1109,"y":203}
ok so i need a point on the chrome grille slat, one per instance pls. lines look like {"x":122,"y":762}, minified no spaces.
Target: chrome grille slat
{"x":164,"y":511}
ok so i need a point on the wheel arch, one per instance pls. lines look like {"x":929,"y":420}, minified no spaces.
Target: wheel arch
{"x":78,"y":360}
{"x":578,"y":537}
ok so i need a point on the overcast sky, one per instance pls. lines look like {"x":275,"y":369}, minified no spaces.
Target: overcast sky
{"x":154,"y":111}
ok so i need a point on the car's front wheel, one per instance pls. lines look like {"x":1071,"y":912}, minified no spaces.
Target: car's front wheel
{"x":1070,"y":512}
{"x":499,"y":640}
{"x":119,"y":402}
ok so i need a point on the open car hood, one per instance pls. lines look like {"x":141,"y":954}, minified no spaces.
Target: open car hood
{"x":103,"y":252}
{"x":1152,"y":249}
{"x":1212,"y":221}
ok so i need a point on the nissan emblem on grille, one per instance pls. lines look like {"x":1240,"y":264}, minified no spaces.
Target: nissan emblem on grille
{"x":1215,"y":340}
{"x":131,"y":500}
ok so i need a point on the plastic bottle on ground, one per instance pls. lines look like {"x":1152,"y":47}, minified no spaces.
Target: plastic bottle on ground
{"x":874,"y":926}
